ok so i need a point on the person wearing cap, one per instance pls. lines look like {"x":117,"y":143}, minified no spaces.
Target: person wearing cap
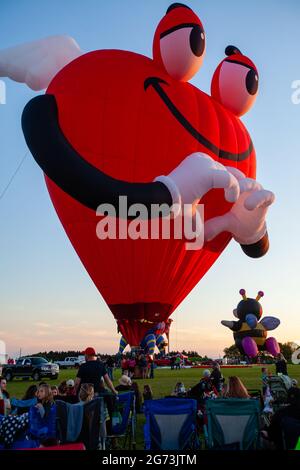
{"x":70,"y":391}
{"x":92,"y":371}
{"x":125,"y":384}
{"x":203,"y":389}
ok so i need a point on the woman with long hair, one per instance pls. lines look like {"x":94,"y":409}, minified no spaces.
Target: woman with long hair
{"x":236,"y":388}
{"x":86,"y":393}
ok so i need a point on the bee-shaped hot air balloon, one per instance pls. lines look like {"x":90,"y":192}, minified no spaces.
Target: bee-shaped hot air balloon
{"x":250,"y":333}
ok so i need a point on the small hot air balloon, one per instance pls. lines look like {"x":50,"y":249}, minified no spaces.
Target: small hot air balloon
{"x":249,"y":332}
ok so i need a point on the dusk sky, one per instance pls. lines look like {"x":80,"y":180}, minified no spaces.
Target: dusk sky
{"x":47,"y":300}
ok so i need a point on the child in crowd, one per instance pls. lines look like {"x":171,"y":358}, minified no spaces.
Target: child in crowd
{"x":71,"y":391}
{"x":54,"y":389}
{"x":45,"y":400}
{"x":147,"y":393}
{"x":86,"y":393}
{"x":179,"y":390}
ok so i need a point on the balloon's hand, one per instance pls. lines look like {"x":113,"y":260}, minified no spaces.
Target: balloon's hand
{"x":228,"y":324}
{"x":196,"y":175}
{"x":36,"y":63}
{"x":246,"y":221}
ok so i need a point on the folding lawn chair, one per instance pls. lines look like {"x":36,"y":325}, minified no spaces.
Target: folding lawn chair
{"x":170,"y":424}
{"x":232,"y":423}
{"x":279,"y":391}
{"x":91,"y":430}
{"x":125,"y":425}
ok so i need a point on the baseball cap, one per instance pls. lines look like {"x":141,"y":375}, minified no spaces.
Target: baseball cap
{"x":70,"y":383}
{"x":89,"y":352}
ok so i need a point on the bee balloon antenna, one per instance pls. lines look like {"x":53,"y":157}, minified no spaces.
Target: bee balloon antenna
{"x":260,"y":294}
{"x":243,"y":294}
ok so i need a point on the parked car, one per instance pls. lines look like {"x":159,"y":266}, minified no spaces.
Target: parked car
{"x":69,"y":362}
{"x":34,"y":367}
{"x":162,"y":362}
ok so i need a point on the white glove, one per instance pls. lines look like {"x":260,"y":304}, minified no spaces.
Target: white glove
{"x":246,"y":220}
{"x":195,"y":176}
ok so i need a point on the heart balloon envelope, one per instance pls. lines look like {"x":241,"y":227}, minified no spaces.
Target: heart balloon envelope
{"x":111,"y":112}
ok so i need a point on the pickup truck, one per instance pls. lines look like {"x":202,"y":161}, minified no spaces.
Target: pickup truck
{"x":70,"y":362}
{"x":34,"y":367}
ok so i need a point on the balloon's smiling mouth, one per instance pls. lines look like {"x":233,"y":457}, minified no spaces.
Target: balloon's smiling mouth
{"x":156,"y":82}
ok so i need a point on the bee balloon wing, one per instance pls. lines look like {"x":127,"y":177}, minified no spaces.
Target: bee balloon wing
{"x":36,"y":63}
{"x":270,"y":323}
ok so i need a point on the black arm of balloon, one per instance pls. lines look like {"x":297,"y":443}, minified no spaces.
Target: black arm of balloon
{"x":258,"y":249}
{"x":72,"y":173}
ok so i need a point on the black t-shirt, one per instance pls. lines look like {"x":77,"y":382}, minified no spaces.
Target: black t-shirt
{"x":281,"y":367}
{"x":216,"y":377}
{"x":91,"y":372}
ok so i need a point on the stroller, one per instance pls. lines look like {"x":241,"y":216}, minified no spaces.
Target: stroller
{"x":279,"y":386}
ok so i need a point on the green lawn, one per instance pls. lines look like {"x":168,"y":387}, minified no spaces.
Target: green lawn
{"x":163,"y":383}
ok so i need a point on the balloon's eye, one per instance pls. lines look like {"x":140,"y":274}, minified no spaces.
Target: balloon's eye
{"x":252,"y":82}
{"x":197,"y":40}
{"x":182,"y":50}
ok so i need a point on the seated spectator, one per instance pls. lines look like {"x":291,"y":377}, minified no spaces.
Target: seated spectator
{"x":235,"y":389}
{"x":30,"y":394}
{"x":63,"y":394}
{"x":179,"y":390}
{"x":204,"y":389}
{"x":42,"y":416}
{"x":70,"y":391}
{"x":5,"y":395}
{"x":274,"y":431}
{"x":45,"y":400}
{"x":62,"y":388}
{"x":86,"y":393}
{"x":147,"y":393}
{"x":124,"y":384}
{"x":216,"y":377}
{"x":54,"y":389}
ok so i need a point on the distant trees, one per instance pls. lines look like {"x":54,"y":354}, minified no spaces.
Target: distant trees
{"x":232,"y":351}
{"x":61,"y":355}
{"x":287,"y":349}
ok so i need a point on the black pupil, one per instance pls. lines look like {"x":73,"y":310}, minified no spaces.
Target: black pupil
{"x":252,"y":82}
{"x":197,"y":41}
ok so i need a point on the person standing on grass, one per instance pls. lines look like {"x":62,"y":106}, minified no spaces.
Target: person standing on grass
{"x":92,"y":372}
{"x":281,"y":365}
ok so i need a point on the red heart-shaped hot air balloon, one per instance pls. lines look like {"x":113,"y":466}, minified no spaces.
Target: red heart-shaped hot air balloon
{"x":135,"y":118}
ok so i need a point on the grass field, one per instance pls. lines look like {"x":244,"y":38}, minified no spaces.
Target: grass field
{"x":163,"y":383}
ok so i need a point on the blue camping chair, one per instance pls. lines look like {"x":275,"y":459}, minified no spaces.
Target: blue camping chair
{"x":170,"y":424}
{"x":232,"y":423}
{"x":125,"y":426}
